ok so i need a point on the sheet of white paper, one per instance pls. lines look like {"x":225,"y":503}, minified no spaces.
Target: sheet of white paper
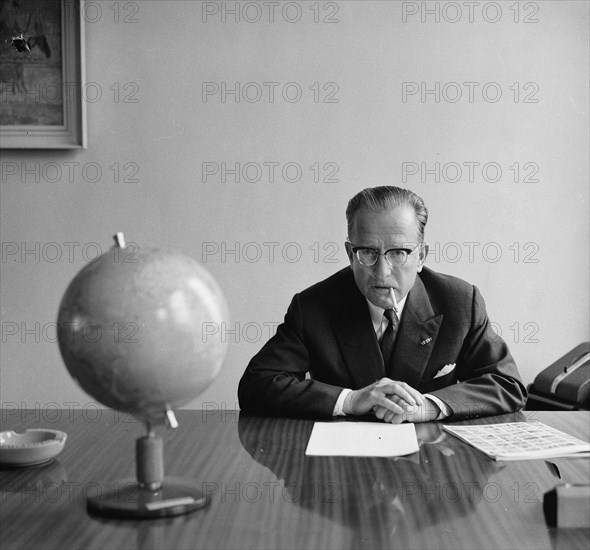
{"x":361,"y":439}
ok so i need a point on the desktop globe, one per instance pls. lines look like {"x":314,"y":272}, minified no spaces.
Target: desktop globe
{"x":131,"y":328}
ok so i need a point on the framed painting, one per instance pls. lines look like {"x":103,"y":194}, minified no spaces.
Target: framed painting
{"x":42,"y":75}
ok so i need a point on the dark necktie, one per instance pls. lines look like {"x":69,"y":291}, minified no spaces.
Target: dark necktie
{"x":388,"y":339}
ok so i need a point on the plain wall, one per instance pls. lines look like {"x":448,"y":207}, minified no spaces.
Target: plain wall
{"x":527,"y":241}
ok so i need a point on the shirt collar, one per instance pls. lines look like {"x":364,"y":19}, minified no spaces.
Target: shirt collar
{"x":377,"y":312}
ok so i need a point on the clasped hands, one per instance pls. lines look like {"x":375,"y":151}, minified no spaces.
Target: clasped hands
{"x":391,"y":401}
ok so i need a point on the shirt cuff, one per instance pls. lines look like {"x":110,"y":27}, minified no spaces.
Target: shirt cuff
{"x":445,"y":410}
{"x":340,"y":403}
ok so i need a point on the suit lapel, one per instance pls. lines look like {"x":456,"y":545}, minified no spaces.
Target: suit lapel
{"x":356,"y":338}
{"x":415,"y":338}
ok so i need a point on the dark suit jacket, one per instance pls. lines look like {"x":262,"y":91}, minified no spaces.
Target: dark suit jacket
{"x":328,"y":333}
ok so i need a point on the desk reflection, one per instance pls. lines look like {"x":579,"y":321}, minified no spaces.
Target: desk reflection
{"x":383,"y":501}
{"x":34,"y":486}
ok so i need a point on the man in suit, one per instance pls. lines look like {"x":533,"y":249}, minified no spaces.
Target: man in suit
{"x":386,"y":336}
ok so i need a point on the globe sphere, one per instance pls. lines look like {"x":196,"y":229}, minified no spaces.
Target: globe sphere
{"x":137,"y":331}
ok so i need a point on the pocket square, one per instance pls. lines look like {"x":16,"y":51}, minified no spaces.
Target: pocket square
{"x":445,"y":370}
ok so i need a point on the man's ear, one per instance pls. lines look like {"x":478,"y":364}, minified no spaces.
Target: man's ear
{"x":349,"y":252}
{"x":422,"y":256}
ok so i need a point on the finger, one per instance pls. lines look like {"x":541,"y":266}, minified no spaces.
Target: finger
{"x":379,"y":412}
{"x":402,"y":401}
{"x":394,"y":418}
{"x":388,"y":404}
{"x":418,"y":397}
{"x":398,"y":388}
{"x":408,"y":408}
{"x":384,"y":380}
{"x":397,"y":419}
{"x":385,"y":383}
{"x":405,"y":392}
{"x":387,"y":416}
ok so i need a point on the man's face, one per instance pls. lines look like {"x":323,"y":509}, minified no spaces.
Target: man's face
{"x":382,"y":231}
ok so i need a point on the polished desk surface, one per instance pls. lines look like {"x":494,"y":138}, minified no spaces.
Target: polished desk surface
{"x":265,"y":493}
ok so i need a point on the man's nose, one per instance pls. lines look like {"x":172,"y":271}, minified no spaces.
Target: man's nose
{"x":382,"y":267}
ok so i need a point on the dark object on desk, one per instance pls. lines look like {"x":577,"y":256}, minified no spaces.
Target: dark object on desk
{"x":564,"y":385}
{"x":568,"y":505}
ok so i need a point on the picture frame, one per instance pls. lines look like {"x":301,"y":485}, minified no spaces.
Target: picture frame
{"x":42,"y":84}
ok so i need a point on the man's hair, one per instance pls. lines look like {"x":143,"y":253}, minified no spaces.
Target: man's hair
{"x":387,"y":197}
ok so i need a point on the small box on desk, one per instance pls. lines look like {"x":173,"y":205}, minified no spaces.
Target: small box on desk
{"x":568,"y":505}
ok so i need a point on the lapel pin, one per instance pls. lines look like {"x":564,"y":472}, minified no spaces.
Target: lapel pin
{"x":424,"y":342}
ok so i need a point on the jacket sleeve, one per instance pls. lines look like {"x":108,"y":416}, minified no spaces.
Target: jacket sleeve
{"x":275,"y":382}
{"x":489,"y":382}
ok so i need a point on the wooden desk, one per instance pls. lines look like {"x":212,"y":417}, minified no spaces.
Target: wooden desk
{"x":266,"y":494}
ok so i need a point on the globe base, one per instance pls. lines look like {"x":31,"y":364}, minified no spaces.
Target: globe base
{"x":130,"y":500}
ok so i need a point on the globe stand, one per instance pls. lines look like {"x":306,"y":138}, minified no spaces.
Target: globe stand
{"x":152,"y":495}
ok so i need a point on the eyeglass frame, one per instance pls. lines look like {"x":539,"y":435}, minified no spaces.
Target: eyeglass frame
{"x":408,"y":251}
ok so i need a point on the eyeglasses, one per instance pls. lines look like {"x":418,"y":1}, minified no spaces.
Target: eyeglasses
{"x":394,"y":256}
